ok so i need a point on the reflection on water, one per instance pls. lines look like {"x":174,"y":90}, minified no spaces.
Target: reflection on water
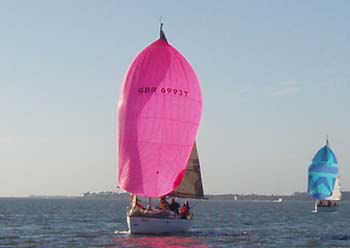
{"x":159,"y":242}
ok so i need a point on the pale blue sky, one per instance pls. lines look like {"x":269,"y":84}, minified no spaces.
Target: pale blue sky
{"x":275,"y":77}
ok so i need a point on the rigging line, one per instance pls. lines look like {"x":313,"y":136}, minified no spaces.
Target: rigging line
{"x":195,"y":204}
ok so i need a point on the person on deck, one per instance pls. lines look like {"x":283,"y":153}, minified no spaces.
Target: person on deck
{"x":174,"y":206}
{"x":163,"y":204}
{"x":185,"y":210}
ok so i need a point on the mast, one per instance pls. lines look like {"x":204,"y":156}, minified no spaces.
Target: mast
{"x":162,"y":34}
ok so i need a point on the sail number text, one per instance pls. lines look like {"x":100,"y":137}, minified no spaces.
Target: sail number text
{"x":163,"y":90}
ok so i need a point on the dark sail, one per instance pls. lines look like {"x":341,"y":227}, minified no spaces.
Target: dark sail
{"x":191,"y":186}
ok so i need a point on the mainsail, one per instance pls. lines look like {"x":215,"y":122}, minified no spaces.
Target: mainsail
{"x":160,"y":108}
{"x":191,"y":185}
{"x":323,"y":173}
{"x":336,"y":196}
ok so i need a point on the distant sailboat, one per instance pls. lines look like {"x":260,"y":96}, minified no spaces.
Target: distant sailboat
{"x":324,"y":185}
{"x":160,"y":109}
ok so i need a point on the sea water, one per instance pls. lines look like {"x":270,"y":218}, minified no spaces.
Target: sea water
{"x":26,"y":222}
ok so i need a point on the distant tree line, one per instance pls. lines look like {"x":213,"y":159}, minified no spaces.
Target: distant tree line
{"x":295,"y":196}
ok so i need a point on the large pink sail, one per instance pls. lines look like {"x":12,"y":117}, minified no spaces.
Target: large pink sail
{"x":160,"y":109}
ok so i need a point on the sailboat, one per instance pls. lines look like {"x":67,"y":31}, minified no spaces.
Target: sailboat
{"x":324,"y":183}
{"x":159,"y":113}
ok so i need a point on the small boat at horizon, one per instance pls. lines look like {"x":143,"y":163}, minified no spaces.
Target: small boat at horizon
{"x":277,"y":200}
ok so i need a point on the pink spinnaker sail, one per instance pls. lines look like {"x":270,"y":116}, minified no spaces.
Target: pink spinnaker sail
{"x":160,"y":109}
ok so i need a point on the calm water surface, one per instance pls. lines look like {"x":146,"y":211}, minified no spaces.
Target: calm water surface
{"x":92,"y":223}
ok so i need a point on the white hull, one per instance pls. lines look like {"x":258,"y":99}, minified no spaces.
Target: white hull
{"x":325,"y":209}
{"x":319,"y":209}
{"x":147,"y":225}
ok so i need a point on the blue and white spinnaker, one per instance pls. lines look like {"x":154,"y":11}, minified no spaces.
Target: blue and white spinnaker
{"x":323,"y":173}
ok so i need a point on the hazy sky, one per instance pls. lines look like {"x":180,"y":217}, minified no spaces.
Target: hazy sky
{"x":275,"y":77}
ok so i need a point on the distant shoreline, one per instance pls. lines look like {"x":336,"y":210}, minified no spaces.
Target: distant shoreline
{"x":302,"y":196}
{"x":249,"y":197}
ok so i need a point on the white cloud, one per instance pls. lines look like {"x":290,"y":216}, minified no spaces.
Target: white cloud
{"x":285,"y":88}
{"x":285,"y":91}
{"x":271,"y":89}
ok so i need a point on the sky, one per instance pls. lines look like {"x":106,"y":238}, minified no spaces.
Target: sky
{"x":275,"y":78}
